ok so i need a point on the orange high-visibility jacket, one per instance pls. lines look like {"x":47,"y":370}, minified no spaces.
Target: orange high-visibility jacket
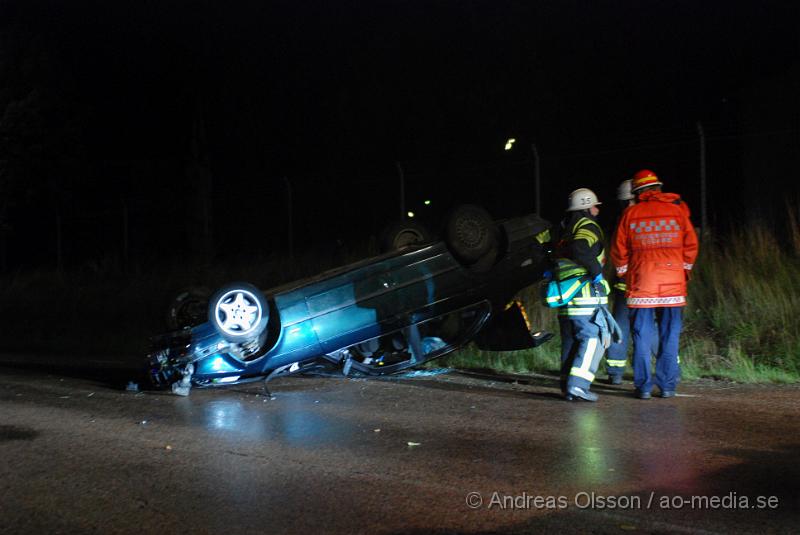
{"x":654,"y":250}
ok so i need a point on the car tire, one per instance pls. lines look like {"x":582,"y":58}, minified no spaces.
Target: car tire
{"x":403,"y":234}
{"x":239,"y":312}
{"x":485,"y":263}
{"x":188,"y":308}
{"x":471,"y":235}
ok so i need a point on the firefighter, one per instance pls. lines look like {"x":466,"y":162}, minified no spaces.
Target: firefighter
{"x":654,"y":250}
{"x":582,"y":244}
{"x":617,"y":355}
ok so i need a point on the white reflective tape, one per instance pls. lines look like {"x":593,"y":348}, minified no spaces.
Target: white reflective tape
{"x":622,"y":270}
{"x":602,"y":300}
{"x":588,"y":357}
{"x":656,"y":301}
{"x":575,"y":311}
{"x":687,"y":266}
{"x":591,"y":347}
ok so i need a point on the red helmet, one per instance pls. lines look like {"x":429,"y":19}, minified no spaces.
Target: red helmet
{"x":643,"y":179}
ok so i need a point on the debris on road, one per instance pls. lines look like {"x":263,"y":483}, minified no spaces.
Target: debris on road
{"x":425,"y":373}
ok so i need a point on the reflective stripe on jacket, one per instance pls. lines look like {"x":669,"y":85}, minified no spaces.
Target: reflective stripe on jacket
{"x":587,"y":230}
{"x":583,"y":244}
{"x":654,"y":246}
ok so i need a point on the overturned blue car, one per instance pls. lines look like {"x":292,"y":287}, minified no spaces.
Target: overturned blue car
{"x":374,"y":317}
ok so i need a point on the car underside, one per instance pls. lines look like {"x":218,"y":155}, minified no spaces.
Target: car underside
{"x":377,"y":316}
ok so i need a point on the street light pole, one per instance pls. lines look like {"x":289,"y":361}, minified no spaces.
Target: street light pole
{"x":125,"y":244}
{"x":59,"y":246}
{"x":402,"y":176}
{"x":703,"y":216}
{"x":536,"y":179}
{"x":290,"y":230}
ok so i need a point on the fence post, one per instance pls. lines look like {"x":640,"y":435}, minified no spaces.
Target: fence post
{"x":402,"y":176}
{"x":59,"y":250}
{"x":290,"y":230}
{"x":125,"y":249}
{"x":703,"y":215}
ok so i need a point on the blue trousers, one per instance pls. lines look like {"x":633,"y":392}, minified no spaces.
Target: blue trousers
{"x":617,"y":353}
{"x":581,"y":351}
{"x":668,"y":334}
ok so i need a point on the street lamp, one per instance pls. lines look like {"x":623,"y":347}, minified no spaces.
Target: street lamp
{"x":536,"y":174}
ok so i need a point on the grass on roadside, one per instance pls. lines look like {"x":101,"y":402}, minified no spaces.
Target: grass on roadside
{"x":543,"y":359}
{"x":742,"y":322}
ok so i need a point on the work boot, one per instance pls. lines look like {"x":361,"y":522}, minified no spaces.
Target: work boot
{"x":642,"y":395}
{"x":615,"y":379}
{"x":574,"y":392}
{"x":667,"y":394}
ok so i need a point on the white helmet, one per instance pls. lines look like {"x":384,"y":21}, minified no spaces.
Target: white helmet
{"x":624,"y":191}
{"x":582,"y":199}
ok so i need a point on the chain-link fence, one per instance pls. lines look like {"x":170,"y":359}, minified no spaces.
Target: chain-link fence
{"x":143,"y":211}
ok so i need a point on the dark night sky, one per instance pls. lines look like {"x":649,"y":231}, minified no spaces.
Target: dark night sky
{"x":100,"y":100}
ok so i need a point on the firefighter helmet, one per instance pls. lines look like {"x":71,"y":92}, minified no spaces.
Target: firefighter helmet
{"x":643,"y":179}
{"x":582,"y":199}
{"x":624,"y":191}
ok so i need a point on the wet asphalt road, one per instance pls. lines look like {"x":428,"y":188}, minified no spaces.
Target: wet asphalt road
{"x":449,"y":453}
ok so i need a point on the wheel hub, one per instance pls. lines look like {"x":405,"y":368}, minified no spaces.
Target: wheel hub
{"x":470,"y":232}
{"x":238,"y":312}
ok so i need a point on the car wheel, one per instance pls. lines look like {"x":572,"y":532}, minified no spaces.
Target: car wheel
{"x":403,"y":234}
{"x":471,"y":235}
{"x":188,"y":308}
{"x":239,"y":312}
